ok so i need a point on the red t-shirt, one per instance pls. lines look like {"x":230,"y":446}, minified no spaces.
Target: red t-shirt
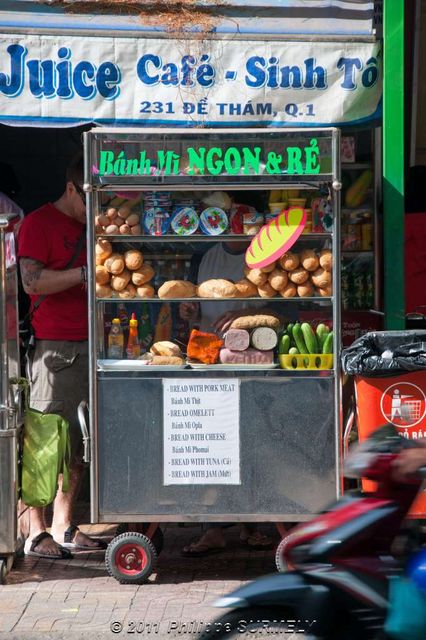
{"x":51,"y":237}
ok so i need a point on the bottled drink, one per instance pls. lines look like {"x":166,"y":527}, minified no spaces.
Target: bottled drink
{"x":133,"y":349}
{"x":115,"y":340}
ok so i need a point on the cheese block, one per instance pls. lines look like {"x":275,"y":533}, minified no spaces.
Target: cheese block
{"x":237,"y":339}
{"x":250,"y":356}
{"x":264,"y":338}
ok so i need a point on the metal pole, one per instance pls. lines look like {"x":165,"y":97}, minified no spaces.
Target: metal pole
{"x":393,"y":164}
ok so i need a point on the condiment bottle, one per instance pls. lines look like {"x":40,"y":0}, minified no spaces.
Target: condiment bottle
{"x":115,"y":340}
{"x":133,"y":349}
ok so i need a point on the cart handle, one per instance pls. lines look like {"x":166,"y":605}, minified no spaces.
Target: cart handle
{"x":347,"y":432}
{"x":82,"y":410}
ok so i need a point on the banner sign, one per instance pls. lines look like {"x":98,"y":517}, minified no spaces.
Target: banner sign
{"x":54,"y":80}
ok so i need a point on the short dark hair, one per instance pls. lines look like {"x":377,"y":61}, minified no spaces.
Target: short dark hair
{"x":75,"y":169}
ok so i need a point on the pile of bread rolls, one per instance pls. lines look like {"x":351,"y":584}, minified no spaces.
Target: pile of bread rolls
{"x":164,"y":353}
{"x":115,"y":221}
{"x":125,"y":276}
{"x":302,"y":274}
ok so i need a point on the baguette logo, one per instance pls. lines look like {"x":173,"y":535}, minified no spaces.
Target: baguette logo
{"x":403,"y":404}
{"x":275,"y":238}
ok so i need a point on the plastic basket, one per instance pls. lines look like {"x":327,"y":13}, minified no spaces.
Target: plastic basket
{"x":306,"y":362}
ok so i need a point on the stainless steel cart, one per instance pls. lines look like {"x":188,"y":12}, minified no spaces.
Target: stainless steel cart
{"x":282,"y":430}
{"x":10,"y":414}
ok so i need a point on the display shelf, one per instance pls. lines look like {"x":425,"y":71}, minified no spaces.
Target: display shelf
{"x":356,"y":166}
{"x":257,"y":299}
{"x":202,"y":238}
{"x":211,"y":372}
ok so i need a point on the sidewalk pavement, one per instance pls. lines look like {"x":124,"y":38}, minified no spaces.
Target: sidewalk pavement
{"x":76,"y":598}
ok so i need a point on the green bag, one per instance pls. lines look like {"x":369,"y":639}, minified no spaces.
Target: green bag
{"x":45,"y":455}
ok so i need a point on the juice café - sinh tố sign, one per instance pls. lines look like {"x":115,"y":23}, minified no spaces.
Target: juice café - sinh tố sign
{"x":65,"y":79}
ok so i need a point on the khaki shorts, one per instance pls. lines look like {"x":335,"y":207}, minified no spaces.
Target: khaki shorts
{"x":58,"y":372}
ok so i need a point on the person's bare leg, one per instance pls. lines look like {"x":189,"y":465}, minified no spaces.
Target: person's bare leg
{"x":37,"y":524}
{"x":63,"y":508}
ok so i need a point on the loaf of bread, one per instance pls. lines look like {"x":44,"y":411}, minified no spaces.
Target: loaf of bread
{"x":289,"y":261}
{"x":133,"y":259}
{"x":115,"y":263}
{"x":237,"y":339}
{"x":305,"y":290}
{"x":321,"y":278}
{"x":103,"y":250}
{"x":309,"y":260}
{"x":120,"y":281}
{"x":289,"y":291}
{"x":145,"y":291}
{"x":102,"y":274}
{"x":218,"y":288}
{"x":128,"y":292}
{"x":326,"y":259}
{"x":103,"y":291}
{"x":250,"y":356}
{"x":264,"y":338}
{"x":256,"y":276}
{"x":256,"y":320}
{"x":142,"y":275}
{"x":246,"y":289}
{"x":269,"y":268}
{"x":167,"y":360}
{"x":278,"y":279}
{"x":166,"y":348}
{"x":177,"y":289}
{"x":326,"y":291}
{"x":266,"y":291}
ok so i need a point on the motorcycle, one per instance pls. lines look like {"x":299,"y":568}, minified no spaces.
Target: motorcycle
{"x":342,"y":560}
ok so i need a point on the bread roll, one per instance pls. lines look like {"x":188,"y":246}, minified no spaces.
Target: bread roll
{"x":124,"y":212}
{"x":166,"y":348}
{"x":289,"y":291}
{"x":121,"y":280}
{"x":269,"y":268}
{"x":115,"y":263}
{"x":119,"y":221}
{"x":309,"y":260}
{"x":325,"y":291}
{"x":111,"y":229}
{"x":125,"y":229}
{"x":102,"y":274}
{"x":136,"y":230}
{"x":133,"y":259}
{"x":246,"y":289}
{"x":299,"y":275}
{"x":278,"y":279}
{"x":112,"y":213}
{"x":128,"y":292}
{"x":256,"y":320}
{"x":177,"y":289}
{"x":326,"y":259}
{"x":167,"y":360}
{"x":145,"y":291}
{"x":103,"y":250}
{"x":218,"y":288}
{"x":142,"y":275}
{"x":266,"y":291}
{"x":321,"y":278}
{"x":103,"y":291}
{"x":256,"y":276}
{"x":104,"y":220}
{"x":132,"y":219}
{"x":305,"y":290}
{"x":289,"y":261}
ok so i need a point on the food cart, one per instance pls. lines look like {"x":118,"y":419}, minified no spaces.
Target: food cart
{"x":10,"y":414}
{"x":198,"y":442}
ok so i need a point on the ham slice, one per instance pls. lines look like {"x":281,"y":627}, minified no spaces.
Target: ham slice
{"x":237,"y":339}
{"x":250,"y":356}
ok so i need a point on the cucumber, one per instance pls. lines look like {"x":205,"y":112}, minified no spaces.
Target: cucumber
{"x":293,"y":351}
{"x":284,"y":344}
{"x":310,"y":338}
{"x":328,"y":343}
{"x":322,"y":332}
{"x":299,"y":339}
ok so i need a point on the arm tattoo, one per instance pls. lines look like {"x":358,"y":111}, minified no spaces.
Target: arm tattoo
{"x":30,"y":273}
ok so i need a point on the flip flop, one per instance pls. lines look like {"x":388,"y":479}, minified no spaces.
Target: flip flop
{"x":30,"y":545}
{"x":68,"y":543}
{"x":201,"y":551}
{"x":257,"y":542}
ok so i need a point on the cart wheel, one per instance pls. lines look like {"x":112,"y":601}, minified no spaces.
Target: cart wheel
{"x":157,"y":539}
{"x":130,"y":558}
{"x":280,"y":562}
{"x":3,"y":571}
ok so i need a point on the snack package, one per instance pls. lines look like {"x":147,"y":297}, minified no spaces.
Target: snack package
{"x":184,"y":221}
{"x":156,"y":221}
{"x":213,"y":221}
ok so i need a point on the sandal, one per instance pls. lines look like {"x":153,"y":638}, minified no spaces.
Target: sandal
{"x":30,"y":546}
{"x":69,"y":536}
{"x":257,"y":542}
{"x":200,"y":550}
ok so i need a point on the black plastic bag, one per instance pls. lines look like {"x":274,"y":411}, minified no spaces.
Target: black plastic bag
{"x":385,"y":353}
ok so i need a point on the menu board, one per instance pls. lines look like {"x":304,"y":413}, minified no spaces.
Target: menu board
{"x":201,"y":420}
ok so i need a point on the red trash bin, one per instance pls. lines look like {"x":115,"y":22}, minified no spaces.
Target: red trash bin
{"x":400,"y":400}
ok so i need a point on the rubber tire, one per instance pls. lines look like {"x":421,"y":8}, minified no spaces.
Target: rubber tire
{"x":280,"y":563}
{"x":157,"y":539}
{"x":227,"y":626}
{"x":137,"y":539}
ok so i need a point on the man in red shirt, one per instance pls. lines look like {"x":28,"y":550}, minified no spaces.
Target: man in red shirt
{"x":50,"y":239}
